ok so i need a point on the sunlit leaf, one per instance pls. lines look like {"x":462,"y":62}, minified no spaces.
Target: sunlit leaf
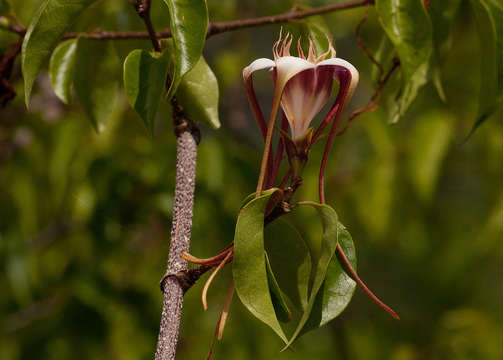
{"x":408,"y":26}
{"x":48,"y":25}
{"x":62,"y":69}
{"x":489,"y":19}
{"x":249,"y":264}
{"x":198,"y":94}
{"x":96,"y":81}
{"x":319,"y":271}
{"x":144,"y":83}
{"x":189,"y":23}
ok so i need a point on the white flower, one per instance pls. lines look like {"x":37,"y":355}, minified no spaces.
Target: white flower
{"x":302,"y":86}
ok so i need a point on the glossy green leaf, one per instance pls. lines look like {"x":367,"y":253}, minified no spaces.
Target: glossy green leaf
{"x":408,"y":26}
{"x":319,"y":272}
{"x":489,"y":19}
{"x":290,"y":261}
{"x":249,"y":264}
{"x":96,"y":79}
{"x":198,"y":94}
{"x":338,"y":287}
{"x":144,"y":83}
{"x":189,"y":23}
{"x":62,"y":69}
{"x":281,"y":309}
{"x":442,"y":17}
{"x":48,"y":25}
{"x":429,"y":142}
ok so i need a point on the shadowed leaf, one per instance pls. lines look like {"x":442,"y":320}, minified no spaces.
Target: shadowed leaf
{"x":144,"y":83}
{"x":319,"y":271}
{"x":489,"y":19}
{"x":338,"y":287}
{"x":96,"y":81}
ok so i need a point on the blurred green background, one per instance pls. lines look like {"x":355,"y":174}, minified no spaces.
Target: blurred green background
{"x":85,"y":217}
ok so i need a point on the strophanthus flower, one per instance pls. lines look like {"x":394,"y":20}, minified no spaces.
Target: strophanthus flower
{"x":302,"y":87}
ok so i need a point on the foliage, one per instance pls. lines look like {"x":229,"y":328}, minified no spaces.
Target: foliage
{"x":84,"y":220}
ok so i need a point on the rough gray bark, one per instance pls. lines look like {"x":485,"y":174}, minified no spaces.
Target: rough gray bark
{"x":180,"y":241}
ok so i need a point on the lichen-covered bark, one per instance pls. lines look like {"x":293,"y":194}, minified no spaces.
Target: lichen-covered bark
{"x":180,"y":241}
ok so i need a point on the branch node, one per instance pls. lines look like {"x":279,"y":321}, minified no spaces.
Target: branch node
{"x":182,"y":124}
{"x":186,"y":278}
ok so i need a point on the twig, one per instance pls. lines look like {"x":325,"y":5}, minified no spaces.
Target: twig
{"x":342,"y":257}
{"x":373,"y":103}
{"x":219,"y":27}
{"x":215,"y":27}
{"x":362,"y":44}
{"x":143,"y":9}
{"x":7,"y":91}
{"x":180,"y":237}
{"x":35,"y":311}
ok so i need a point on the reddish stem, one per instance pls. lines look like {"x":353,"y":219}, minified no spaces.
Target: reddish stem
{"x":285,"y":179}
{"x":356,"y":278}
{"x":328,"y":146}
{"x":257,"y":112}
{"x":325,"y":122}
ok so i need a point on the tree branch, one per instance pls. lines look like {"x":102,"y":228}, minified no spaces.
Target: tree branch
{"x":214,"y":27}
{"x":174,"y":289}
{"x":142,"y":7}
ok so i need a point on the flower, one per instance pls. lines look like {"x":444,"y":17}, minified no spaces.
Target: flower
{"x":302,"y":85}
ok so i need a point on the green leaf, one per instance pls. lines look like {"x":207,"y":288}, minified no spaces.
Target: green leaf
{"x":278,"y":301}
{"x":189,"y":23}
{"x":198,"y":94}
{"x":489,"y":19}
{"x":429,"y":142}
{"x":62,"y":69}
{"x":316,"y":29}
{"x":384,"y":55}
{"x":145,"y":82}
{"x":249,"y":265}
{"x":328,"y":246}
{"x":313,"y":27}
{"x":96,"y":81}
{"x":442,"y":17}
{"x":292,"y":268}
{"x":408,"y":26}
{"x":49,"y":23}
{"x":338,"y":287}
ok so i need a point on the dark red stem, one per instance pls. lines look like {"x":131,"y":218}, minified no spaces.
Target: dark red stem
{"x":356,"y":278}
